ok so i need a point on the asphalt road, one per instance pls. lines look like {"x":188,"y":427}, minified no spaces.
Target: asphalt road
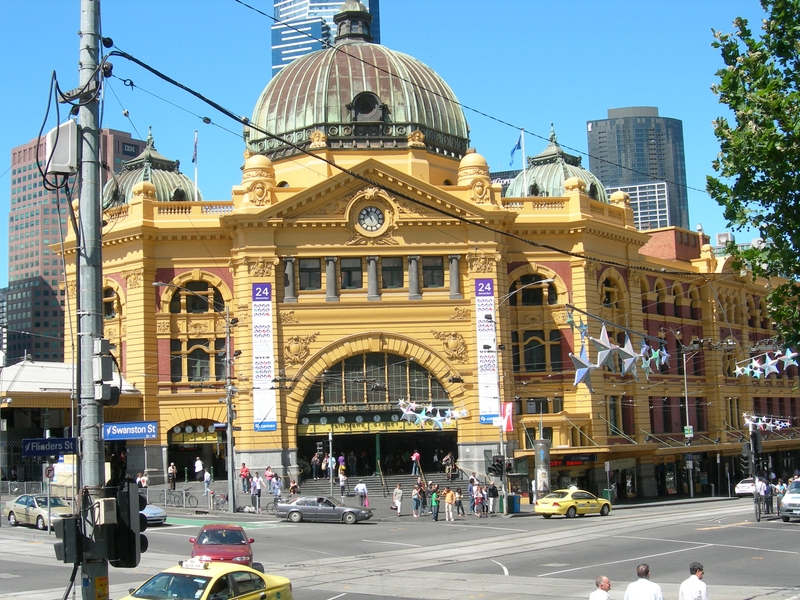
{"x":499,"y":557}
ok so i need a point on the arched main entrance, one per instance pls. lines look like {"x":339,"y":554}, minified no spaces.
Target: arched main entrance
{"x":354,"y":405}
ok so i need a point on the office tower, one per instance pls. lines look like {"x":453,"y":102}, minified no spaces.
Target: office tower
{"x":304,"y":26}
{"x":35,"y":301}
{"x":636,"y":146}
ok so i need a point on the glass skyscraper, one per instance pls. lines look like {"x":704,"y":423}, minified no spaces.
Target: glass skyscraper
{"x":636,"y":146}
{"x":304,"y":26}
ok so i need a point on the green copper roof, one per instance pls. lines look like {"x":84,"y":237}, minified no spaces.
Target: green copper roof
{"x":546,"y":173}
{"x":150,"y":165}
{"x":360,"y":95}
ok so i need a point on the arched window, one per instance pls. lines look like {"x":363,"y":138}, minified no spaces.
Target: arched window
{"x":537,"y":351}
{"x":375,"y":378}
{"x":524,"y":292}
{"x":198,"y":297}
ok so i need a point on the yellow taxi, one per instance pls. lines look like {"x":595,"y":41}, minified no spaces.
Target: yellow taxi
{"x":199,"y":580}
{"x":571,"y":503}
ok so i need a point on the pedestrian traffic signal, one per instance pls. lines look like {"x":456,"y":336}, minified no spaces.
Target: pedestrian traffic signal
{"x":755,"y":439}
{"x":496,"y":468}
{"x":126,"y":541}
{"x":71,"y":549}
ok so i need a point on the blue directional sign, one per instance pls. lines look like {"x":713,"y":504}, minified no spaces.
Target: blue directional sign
{"x":49,"y":446}
{"x":138,"y":430}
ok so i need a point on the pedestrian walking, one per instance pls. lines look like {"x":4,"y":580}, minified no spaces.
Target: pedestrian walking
{"x":447,"y":463}
{"x":361,"y":491}
{"x":324,"y":466}
{"x":780,"y":491}
{"x":415,"y":463}
{"x":643,"y":588}
{"x":352,"y":464}
{"x":172,"y":475}
{"x":206,"y":481}
{"x":492,"y":494}
{"x":477,"y":494}
{"x":277,"y":487}
{"x":436,"y":462}
{"x":260,"y":485}
{"x":198,"y":469}
{"x":254,"y":492}
{"x":397,"y":498}
{"x":694,"y":588}
{"x":435,"y":505}
{"x":449,"y":497}
{"x":603,"y":585}
{"x":244,"y":473}
{"x":342,"y":481}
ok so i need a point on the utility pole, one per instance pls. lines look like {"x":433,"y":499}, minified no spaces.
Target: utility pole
{"x":229,"y":392}
{"x":94,"y":570}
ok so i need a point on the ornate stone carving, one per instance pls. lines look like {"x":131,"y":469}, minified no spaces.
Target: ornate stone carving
{"x":124,"y":330}
{"x":559,"y":317}
{"x":387,"y":239}
{"x":262,"y":267}
{"x":416,"y":139}
{"x":71,"y":287}
{"x":318,"y":140}
{"x":163,"y":326}
{"x":337,"y":207}
{"x":110,"y":332}
{"x":590,"y":268}
{"x":453,"y":345}
{"x":479,"y":191}
{"x":472,"y":172}
{"x":407,"y":208}
{"x":482,"y":263}
{"x":296,"y":348}
{"x":461,"y":314}
{"x":134,"y":278}
{"x":196,"y":328}
{"x":181,"y":326}
{"x":287,"y":316}
{"x":243,"y":314}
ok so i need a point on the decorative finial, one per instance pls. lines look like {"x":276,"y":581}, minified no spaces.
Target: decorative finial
{"x":553,"y":137}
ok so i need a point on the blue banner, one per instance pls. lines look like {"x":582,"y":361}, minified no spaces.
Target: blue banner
{"x":49,"y":446}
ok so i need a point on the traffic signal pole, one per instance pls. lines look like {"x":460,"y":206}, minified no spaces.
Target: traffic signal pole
{"x":94,"y":570}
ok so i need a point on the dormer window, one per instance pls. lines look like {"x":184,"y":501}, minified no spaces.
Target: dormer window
{"x":367,"y":107}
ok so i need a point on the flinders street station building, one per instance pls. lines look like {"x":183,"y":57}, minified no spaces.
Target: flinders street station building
{"x":379,"y":292}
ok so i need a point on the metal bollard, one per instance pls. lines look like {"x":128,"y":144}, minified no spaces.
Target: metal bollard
{"x":185,"y":474}
{"x":211,"y":471}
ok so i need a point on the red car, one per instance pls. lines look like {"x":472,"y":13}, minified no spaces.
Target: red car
{"x":223,"y":543}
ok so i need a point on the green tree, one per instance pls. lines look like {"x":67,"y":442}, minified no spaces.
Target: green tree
{"x":759,"y":160}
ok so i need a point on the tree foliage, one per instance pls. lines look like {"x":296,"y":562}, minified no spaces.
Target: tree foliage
{"x":759,"y":160}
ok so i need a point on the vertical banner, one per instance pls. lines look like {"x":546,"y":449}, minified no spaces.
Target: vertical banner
{"x":507,"y":416}
{"x":264,"y":399}
{"x":486,"y":333}
{"x":542,"y":470}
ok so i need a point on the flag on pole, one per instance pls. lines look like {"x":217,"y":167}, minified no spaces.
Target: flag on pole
{"x":194,"y":160}
{"x":506,"y":415}
{"x":194,"y":155}
{"x":517,"y":146}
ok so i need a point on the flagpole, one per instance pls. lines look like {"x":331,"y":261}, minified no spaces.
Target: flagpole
{"x":524,"y":162}
{"x":194,"y":160}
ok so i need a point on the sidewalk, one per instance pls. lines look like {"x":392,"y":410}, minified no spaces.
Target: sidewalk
{"x":379,"y":505}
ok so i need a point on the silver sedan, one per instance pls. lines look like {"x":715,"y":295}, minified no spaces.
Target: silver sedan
{"x":319,"y":508}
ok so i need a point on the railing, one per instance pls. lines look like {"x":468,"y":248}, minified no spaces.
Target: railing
{"x":384,"y":485}
{"x":17,"y":488}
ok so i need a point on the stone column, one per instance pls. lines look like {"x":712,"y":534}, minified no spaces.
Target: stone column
{"x":288,"y":280}
{"x":330,"y":279}
{"x":413,"y":278}
{"x":455,"y":280}
{"x":373,"y":293}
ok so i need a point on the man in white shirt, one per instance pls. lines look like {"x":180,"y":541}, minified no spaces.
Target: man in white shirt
{"x":198,"y":469}
{"x":694,"y":588}
{"x":361,"y":491}
{"x":643,"y":588}
{"x":603,"y":585}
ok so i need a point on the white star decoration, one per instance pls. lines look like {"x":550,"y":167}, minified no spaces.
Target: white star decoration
{"x":583,"y":368}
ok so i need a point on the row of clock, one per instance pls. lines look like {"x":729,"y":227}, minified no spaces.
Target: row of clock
{"x":342,"y":419}
{"x":189,"y":429}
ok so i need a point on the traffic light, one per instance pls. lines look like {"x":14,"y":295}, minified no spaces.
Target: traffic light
{"x":496,"y":468}
{"x":71,"y":549}
{"x":127,"y":541}
{"x":755,"y":439}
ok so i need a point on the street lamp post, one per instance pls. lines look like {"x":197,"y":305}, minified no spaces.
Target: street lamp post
{"x":688,"y":352}
{"x":499,"y":346}
{"x":3,"y":436}
{"x":230,"y":390}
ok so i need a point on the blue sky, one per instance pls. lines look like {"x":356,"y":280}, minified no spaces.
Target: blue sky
{"x":525,"y":62}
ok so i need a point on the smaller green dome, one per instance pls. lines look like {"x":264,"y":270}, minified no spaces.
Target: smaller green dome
{"x":150,"y":165}
{"x":546,"y":173}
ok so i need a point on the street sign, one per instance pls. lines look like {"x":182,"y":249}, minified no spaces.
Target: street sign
{"x":139,"y":430}
{"x":48,"y":446}
{"x":49,"y":472}
{"x":688,"y":431}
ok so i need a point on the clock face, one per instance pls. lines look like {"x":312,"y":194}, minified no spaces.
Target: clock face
{"x":200,"y":429}
{"x":395,"y":418}
{"x":304,"y":420}
{"x":176,"y":429}
{"x":341,"y":419}
{"x":377,"y":418}
{"x":189,"y":429}
{"x":323,"y":420}
{"x":359,"y":419}
{"x":371,"y":218}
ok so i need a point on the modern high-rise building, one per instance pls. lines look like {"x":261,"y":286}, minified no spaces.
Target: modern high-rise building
{"x":38,"y":219}
{"x":636,"y":146}
{"x":304,"y":26}
{"x":650,"y":203}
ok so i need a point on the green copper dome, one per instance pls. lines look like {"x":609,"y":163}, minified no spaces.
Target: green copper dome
{"x":546,"y":173}
{"x":150,"y":165}
{"x":360,"y":95}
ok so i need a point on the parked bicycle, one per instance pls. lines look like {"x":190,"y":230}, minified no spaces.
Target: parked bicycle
{"x":220,"y":501}
{"x":271,"y":506}
{"x":182,"y":498}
